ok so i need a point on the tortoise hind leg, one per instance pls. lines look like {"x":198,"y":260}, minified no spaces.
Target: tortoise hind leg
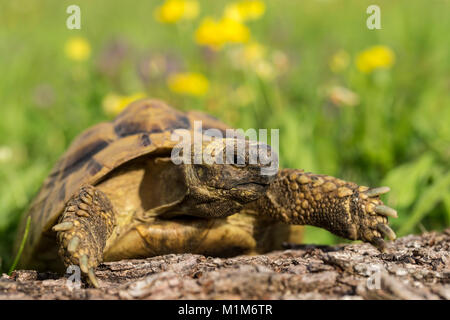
{"x":83,"y":229}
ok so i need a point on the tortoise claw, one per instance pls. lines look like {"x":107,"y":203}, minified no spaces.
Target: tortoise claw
{"x":379,"y":244}
{"x":84,"y":266}
{"x":374,"y":192}
{"x":386,"y":211}
{"x":93,"y":278}
{"x":73,"y":244}
{"x":63,"y":226}
{"x":88,"y":271}
{"x":387,"y":231}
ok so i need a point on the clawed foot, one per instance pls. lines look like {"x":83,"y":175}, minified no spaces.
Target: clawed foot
{"x":341,"y":207}
{"x":83,"y":229}
{"x":370,"y":224}
{"x":75,"y":248}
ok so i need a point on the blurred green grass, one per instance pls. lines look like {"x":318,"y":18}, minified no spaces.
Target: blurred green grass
{"x":398,"y":134}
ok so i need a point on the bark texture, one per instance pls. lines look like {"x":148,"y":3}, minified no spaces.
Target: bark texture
{"x":415,"y":267}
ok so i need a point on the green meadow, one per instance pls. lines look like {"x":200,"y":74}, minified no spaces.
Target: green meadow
{"x":307,"y":68}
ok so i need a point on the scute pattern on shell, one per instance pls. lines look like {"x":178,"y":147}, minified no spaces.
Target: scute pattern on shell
{"x":144,"y":127}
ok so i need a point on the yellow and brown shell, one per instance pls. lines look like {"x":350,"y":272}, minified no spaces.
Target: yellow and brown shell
{"x":143,"y":128}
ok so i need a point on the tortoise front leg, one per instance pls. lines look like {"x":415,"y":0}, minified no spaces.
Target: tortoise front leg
{"x":87,"y":222}
{"x":343,"y":208}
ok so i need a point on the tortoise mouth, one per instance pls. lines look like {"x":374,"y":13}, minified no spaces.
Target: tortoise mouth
{"x":245,"y":185}
{"x":256,"y":188}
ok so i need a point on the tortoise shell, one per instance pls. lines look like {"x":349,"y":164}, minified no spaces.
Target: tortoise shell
{"x":143,"y":128}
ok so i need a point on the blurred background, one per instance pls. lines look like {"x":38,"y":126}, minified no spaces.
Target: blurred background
{"x":370,"y":106}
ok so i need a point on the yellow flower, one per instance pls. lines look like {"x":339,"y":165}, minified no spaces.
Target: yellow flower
{"x":172,"y":11}
{"x":209,"y":34}
{"x":190,"y":83}
{"x":234,"y":31}
{"x":245,"y":10}
{"x":113,"y":103}
{"x":339,"y":61}
{"x":216,"y":33}
{"x":77,"y":48}
{"x":375,"y":57}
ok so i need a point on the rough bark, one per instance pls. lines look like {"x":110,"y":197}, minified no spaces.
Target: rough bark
{"x":415,"y":267}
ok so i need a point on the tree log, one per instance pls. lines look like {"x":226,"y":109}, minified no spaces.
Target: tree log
{"x":414,"y":267}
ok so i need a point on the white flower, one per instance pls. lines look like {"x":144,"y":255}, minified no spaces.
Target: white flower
{"x":5,"y":153}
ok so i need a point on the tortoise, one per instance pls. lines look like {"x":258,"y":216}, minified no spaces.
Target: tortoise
{"x":117,"y":194}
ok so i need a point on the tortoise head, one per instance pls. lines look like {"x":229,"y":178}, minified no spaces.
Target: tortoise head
{"x":225,"y":174}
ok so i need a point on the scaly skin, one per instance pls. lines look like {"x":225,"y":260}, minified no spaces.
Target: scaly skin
{"x":341,"y":207}
{"x":293,"y":197}
{"x":87,"y":222}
